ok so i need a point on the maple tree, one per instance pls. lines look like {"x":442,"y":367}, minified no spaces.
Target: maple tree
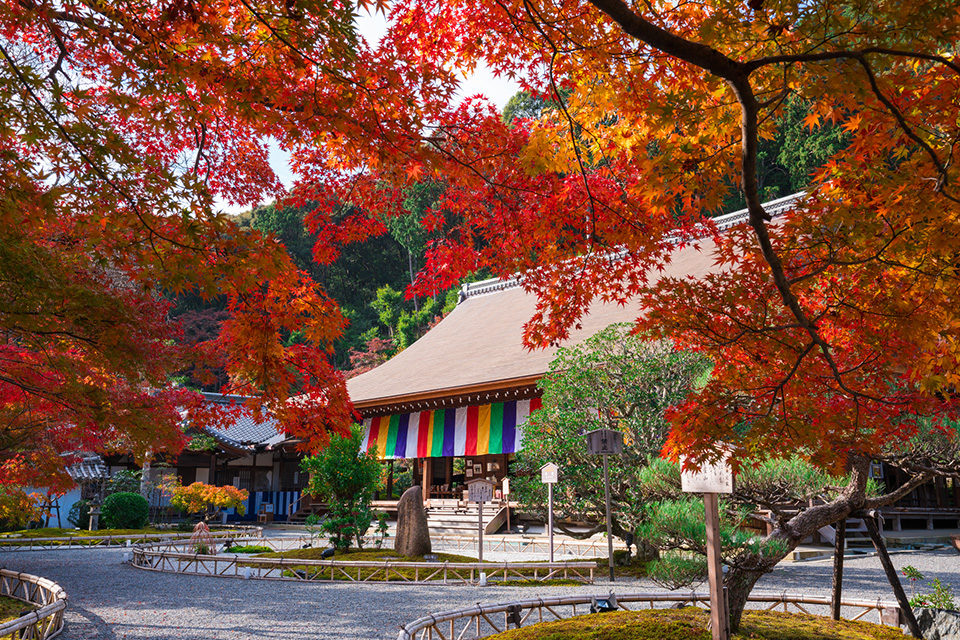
{"x":203,"y":498}
{"x":124,"y":123}
{"x":832,"y":327}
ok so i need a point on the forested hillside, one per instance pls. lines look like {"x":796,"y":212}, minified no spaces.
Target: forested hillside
{"x":369,"y":279}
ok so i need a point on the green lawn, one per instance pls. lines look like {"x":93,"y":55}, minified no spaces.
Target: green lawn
{"x":11,"y":608}
{"x":691,"y":624}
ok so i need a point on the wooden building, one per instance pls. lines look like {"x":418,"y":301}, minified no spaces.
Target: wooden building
{"x":247,"y":454}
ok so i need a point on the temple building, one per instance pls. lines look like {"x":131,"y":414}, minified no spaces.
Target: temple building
{"x":454,"y":403}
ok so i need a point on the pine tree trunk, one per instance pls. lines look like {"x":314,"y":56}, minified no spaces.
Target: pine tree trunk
{"x":739,"y":583}
{"x":744,"y":573}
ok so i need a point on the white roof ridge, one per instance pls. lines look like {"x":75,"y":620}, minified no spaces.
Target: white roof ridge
{"x":723,"y":222}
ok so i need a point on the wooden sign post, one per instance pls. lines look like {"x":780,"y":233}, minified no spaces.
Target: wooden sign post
{"x":506,"y":498}
{"x":548,"y":475}
{"x":480,"y":490}
{"x":605,"y":442}
{"x":712,"y":480}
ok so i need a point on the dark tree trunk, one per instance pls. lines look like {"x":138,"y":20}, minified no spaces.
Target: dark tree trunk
{"x":839,"y":546}
{"x":416,"y":305}
{"x":892,"y":576}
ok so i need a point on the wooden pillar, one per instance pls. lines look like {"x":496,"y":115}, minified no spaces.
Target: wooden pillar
{"x":449,"y":470}
{"x":390,"y":481}
{"x":719,"y":615}
{"x":427,"y":478}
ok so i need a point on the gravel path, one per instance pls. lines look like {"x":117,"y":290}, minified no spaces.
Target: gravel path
{"x":112,"y":601}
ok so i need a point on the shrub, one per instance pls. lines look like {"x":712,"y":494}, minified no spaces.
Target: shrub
{"x":125,"y":510}
{"x":345,"y":523}
{"x":202,"y":541}
{"x":940,"y":598}
{"x":79,"y":515}
{"x":346,"y":478}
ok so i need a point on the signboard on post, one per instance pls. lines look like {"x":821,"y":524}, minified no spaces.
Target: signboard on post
{"x":548,"y":475}
{"x":606,"y":442}
{"x":714,"y":477}
{"x":480,"y":490}
{"x":710,"y":480}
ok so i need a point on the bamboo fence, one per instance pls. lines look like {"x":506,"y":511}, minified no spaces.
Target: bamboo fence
{"x":41,"y":623}
{"x":166,"y":558}
{"x":481,"y":621}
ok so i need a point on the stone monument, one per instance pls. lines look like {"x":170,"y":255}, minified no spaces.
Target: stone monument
{"x":413,"y":536}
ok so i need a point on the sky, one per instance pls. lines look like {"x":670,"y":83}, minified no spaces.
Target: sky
{"x":372,"y":27}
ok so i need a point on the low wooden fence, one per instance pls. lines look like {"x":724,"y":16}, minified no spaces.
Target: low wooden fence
{"x":450,"y":543}
{"x":41,"y":623}
{"x":166,"y":557}
{"x":575,"y":548}
{"x":481,"y":621}
{"x":459,"y":543}
{"x":76,"y":542}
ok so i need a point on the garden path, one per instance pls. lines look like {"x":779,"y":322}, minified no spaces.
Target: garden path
{"x":109,"y":600}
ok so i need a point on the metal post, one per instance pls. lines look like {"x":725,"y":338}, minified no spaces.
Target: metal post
{"x":480,"y":527}
{"x":719,"y":620}
{"x":606,"y":494}
{"x":550,"y":517}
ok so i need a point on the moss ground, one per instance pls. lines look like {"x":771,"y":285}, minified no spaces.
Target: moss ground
{"x":16,"y":537}
{"x":691,"y":624}
{"x":11,"y":608}
{"x":247,"y":548}
{"x":379,"y":555}
{"x":53,"y":532}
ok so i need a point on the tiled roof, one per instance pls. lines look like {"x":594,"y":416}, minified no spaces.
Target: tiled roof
{"x":90,"y":468}
{"x":245,"y":432}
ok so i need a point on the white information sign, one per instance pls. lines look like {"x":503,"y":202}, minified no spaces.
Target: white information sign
{"x":480,"y":490}
{"x":716,"y":477}
{"x":549,"y":473}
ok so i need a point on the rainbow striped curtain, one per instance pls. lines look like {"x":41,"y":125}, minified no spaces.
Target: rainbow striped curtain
{"x":465,"y":431}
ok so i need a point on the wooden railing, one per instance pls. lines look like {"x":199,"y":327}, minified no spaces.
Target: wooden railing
{"x":481,"y":621}
{"x":561,"y":546}
{"x":17,"y":544}
{"x":43,"y":622}
{"x":454,"y":543}
{"x":173,"y":558}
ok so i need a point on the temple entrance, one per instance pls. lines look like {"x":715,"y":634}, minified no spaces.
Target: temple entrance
{"x":448,"y":476}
